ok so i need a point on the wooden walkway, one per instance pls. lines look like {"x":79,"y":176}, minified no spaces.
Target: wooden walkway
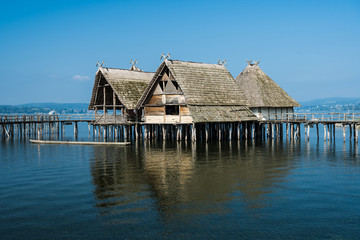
{"x":22,"y":125}
{"x":272,"y":126}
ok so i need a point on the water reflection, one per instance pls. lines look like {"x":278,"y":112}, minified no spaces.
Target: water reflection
{"x":179,"y":179}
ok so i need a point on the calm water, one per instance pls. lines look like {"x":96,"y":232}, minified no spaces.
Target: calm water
{"x":154,"y":190}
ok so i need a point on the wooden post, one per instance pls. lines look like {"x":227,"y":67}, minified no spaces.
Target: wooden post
{"x":287,"y":130}
{"x":146,"y":132}
{"x":193,"y":132}
{"x":104,"y":102}
{"x":206,"y":132}
{"x":253,"y":130}
{"x":308,"y":133}
{"x":238,"y":130}
{"x":219,"y":129}
{"x":324,"y":132}
{"x":114,"y":107}
{"x":125,"y":133}
{"x":136,"y":131}
{"x":75,"y":129}
{"x":164,"y":132}
{"x":350,"y":128}
{"x":298,"y":130}
{"x":246,"y":130}
{"x":295,"y":131}
{"x":328,"y":132}
{"x":355,"y":132}
{"x":115,"y":134}
{"x":177,"y":132}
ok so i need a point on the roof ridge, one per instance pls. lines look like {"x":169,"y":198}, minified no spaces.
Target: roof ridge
{"x":125,"y":70}
{"x":170,"y":60}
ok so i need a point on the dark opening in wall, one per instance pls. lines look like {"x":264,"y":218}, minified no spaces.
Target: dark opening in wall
{"x":172,"y":110}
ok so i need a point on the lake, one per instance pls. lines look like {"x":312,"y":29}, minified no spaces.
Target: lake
{"x":177,"y":190}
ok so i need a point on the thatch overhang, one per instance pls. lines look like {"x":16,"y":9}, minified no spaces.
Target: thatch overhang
{"x":210,"y":91}
{"x":128,"y":85}
{"x":213,"y":113}
{"x":261,"y":90}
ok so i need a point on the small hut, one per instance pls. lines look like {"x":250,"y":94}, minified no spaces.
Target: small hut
{"x":193,"y":93}
{"x":116,"y":93}
{"x":267,"y":99}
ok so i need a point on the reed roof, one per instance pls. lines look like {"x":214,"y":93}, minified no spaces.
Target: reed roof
{"x":205,"y":85}
{"x":128,"y":85}
{"x":220,"y":113}
{"x":261,"y":90}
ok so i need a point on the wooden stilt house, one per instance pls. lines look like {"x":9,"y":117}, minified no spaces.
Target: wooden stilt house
{"x":116,"y":93}
{"x":267,"y":99}
{"x":193,"y":93}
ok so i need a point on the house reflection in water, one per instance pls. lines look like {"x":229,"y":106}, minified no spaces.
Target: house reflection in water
{"x":176,"y":180}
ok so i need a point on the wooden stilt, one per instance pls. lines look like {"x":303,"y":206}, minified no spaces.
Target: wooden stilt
{"x":206,"y":132}
{"x":164,"y":132}
{"x":354,"y":125}
{"x":75,"y":129}
{"x":246,"y":130}
{"x":219,"y":131}
{"x":287,"y":130}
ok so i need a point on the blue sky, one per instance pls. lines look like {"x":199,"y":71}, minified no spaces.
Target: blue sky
{"x":49,"y":49}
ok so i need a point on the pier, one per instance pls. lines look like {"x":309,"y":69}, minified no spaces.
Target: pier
{"x":268,"y":126}
{"x":40,"y":124}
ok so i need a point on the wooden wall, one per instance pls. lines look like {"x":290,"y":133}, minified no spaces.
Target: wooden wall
{"x":166,"y":99}
{"x":167,"y":93}
{"x":156,"y":114}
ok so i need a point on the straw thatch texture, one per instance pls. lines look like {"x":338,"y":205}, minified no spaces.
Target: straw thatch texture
{"x":128,"y":85}
{"x":210,"y":91}
{"x":207,"y":84}
{"x":220,"y":113}
{"x":261,"y":90}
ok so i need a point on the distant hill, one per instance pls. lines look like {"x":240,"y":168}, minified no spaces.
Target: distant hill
{"x":32,"y":108}
{"x":338,"y":104}
{"x":331,"y":101}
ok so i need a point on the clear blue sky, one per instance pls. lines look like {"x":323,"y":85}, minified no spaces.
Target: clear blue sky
{"x":49,"y":49}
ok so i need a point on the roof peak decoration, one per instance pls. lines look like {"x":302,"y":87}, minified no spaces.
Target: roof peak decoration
{"x":222,"y":62}
{"x":133,"y":67}
{"x":100,"y":65}
{"x":252,"y":63}
{"x":168,"y":57}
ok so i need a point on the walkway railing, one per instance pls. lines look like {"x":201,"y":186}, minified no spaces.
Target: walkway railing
{"x":45,"y":118}
{"x":311,"y":117}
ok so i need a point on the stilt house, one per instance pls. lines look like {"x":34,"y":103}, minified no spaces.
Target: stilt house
{"x":188,"y":93}
{"x":116,"y":93}
{"x":267,"y":99}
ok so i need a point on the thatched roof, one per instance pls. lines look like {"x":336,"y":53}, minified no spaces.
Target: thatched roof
{"x":128,"y":85}
{"x":261,"y":90}
{"x":205,"y":85}
{"x":220,"y":113}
